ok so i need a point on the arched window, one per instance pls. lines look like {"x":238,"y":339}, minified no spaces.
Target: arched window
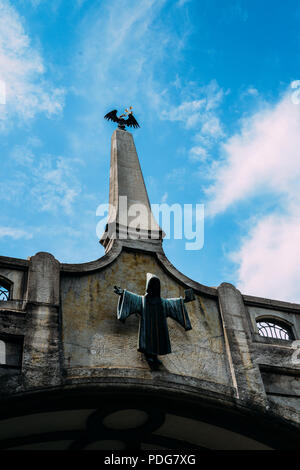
{"x":273,"y":328}
{"x":2,"y":352}
{"x":5,"y":289}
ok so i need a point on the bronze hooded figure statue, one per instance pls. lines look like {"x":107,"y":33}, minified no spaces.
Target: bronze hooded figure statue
{"x":154,"y":310}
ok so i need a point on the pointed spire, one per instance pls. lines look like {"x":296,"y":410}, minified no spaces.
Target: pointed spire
{"x":130,"y":217}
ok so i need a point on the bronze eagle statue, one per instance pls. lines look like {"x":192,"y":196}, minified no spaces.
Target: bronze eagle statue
{"x":130,"y":121}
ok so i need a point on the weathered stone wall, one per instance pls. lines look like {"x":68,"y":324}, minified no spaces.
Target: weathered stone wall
{"x":31,"y":321}
{"x":278,"y":360}
{"x":18,"y":278}
{"x":93,"y":337}
{"x":66,"y":322}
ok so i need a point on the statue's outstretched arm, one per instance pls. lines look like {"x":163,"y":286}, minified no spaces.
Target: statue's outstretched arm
{"x":118,"y":290}
{"x":189,"y":295}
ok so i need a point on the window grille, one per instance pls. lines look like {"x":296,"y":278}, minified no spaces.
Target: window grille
{"x":4,"y":292}
{"x":5,"y":289}
{"x":270,"y":328}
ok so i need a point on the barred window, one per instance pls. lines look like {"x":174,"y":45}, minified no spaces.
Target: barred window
{"x":5,"y":290}
{"x":271,"y":328}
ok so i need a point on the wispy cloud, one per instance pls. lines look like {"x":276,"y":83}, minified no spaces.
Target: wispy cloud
{"x":263,"y":156}
{"x":22,"y":69}
{"x":51,"y":6}
{"x":263,"y":161}
{"x":49,"y":182}
{"x":200,"y":113}
{"x":198,"y":154}
{"x":123,"y":50}
{"x":188,"y":112}
{"x":56,"y":188}
{"x":269,"y":258}
{"x":14,"y":233}
{"x":251,"y":91}
{"x":177,"y":174}
{"x":108,"y":33}
{"x":122,"y":58}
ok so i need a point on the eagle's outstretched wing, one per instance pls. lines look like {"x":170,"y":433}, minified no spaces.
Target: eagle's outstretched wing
{"x":131,"y":121}
{"x":112,"y":116}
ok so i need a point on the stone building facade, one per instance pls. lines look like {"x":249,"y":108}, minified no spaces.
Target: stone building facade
{"x":70,"y":373}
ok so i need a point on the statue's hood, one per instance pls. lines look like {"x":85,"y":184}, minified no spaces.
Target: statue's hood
{"x":152,"y":285}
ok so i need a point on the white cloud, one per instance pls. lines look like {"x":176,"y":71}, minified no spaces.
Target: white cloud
{"x":264,"y":156}
{"x":251,"y":91}
{"x":55,"y":186}
{"x":23,"y":155}
{"x":51,"y":6}
{"x":263,"y":159}
{"x":23,"y":71}
{"x":46,"y":182}
{"x":269,"y":258}
{"x":108,"y":33}
{"x":213,"y":128}
{"x":14,"y":233}
{"x":118,"y":58}
{"x":198,"y":154}
{"x":123,"y":51}
{"x":188,"y":112}
{"x":198,"y":113}
{"x":177,"y":174}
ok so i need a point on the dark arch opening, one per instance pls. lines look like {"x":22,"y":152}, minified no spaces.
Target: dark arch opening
{"x":104,"y":421}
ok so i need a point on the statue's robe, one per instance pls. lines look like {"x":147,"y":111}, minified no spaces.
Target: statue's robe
{"x":153,"y":311}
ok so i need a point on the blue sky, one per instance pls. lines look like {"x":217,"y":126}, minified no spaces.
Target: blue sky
{"x":211,"y":85}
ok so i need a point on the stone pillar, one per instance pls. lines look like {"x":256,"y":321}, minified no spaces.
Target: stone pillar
{"x":130,"y":217}
{"x":246,"y":377}
{"x":41,"y":352}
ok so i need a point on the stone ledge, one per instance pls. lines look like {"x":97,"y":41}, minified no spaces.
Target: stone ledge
{"x":17,"y":263}
{"x":252,"y":301}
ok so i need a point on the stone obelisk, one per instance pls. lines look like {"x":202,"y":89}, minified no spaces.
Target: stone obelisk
{"x":130,"y":218}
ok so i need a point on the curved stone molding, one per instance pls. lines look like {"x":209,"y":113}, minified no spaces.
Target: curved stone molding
{"x":186,"y":281}
{"x":138,"y":246}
